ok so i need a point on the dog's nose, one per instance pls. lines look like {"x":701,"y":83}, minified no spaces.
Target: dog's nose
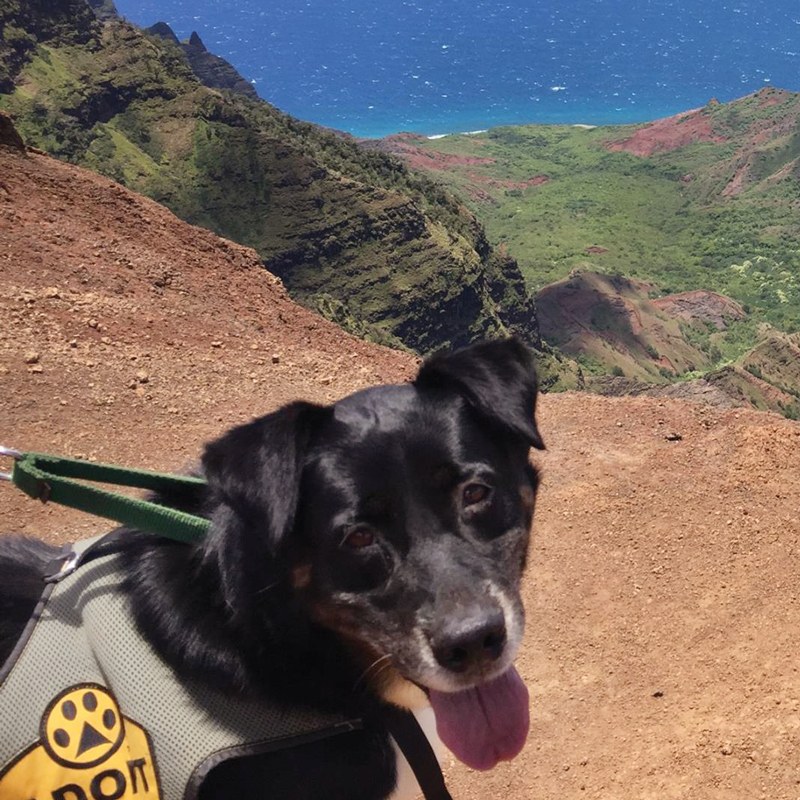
{"x":459,"y":645}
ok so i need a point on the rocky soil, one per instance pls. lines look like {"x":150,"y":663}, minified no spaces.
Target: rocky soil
{"x":662,"y":594}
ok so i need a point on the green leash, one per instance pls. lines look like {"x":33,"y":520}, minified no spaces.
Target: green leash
{"x":58,"y":479}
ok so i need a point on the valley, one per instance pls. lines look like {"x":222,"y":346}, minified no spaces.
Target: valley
{"x":704,"y":201}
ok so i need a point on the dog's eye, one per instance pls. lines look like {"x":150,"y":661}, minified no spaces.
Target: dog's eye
{"x":475,"y":493}
{"x":358,"y":538}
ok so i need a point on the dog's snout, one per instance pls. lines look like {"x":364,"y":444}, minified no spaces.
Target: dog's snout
{"x":459,"y":646}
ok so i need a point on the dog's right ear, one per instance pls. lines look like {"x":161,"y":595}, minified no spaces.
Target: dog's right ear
{"x":253,"y":472}
{"x":497,"y":378}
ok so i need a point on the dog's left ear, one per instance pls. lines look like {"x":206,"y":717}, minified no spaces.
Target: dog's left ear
{"x":497,"y":378}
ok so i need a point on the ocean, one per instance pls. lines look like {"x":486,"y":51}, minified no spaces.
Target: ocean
{"x":375,"y":67}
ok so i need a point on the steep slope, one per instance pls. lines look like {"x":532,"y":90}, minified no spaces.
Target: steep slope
{"x":118,"y":312}
{"x":611,"y":323}
{"x":766,"y":377}
{"x":661,"y":592}
{"x":341,"y":227}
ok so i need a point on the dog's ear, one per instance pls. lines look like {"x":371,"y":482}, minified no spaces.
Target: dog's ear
{"x":497,"y":378}
{"x":254,"y":469}
{"x":253,"y":474}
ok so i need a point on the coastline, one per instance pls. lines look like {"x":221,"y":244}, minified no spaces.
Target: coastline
{"x":472,"y":123}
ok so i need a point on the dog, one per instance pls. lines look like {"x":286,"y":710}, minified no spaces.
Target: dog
{"x":362,"y":555}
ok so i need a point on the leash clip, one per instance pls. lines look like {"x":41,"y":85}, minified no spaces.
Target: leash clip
{"x":8,"y":452}
{"x":67,"y":568}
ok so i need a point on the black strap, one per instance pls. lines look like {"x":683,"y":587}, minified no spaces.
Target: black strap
{"x":411,"y":739}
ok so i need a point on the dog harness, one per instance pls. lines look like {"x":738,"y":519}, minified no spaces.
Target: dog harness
{"x":89,"y":711}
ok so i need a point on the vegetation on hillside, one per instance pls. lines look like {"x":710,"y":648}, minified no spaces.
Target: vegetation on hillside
{"x":355,"y":235}
{"x":705,"y":200}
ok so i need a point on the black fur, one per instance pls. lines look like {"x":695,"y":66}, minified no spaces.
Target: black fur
{"x":336,"y":531}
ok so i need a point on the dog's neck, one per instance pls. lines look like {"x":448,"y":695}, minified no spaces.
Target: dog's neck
{"x":254,"y":650}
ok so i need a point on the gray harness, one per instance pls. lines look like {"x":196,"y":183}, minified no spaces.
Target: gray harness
{"x":89,"y":711}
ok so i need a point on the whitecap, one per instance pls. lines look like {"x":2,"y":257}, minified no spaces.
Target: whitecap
{"x":557,"y":88}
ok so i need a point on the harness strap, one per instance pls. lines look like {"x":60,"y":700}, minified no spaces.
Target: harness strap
{"x":411,"y":739}
{"x":57,"y":479}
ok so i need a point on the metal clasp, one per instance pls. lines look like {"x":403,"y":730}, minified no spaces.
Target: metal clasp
{"x":8,"y":452}
{"x":67,"y":568}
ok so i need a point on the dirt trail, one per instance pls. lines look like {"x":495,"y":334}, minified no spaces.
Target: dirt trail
{"x":662,"y":594}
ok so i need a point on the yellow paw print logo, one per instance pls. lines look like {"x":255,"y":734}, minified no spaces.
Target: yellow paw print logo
{"x":82,"y":727}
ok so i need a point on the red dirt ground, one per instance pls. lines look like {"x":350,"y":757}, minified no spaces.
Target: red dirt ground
{"x":668,"y":134}
{"x":662,"y":594}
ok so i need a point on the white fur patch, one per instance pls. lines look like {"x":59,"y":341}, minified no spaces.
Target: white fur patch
{"x":407,"y":787}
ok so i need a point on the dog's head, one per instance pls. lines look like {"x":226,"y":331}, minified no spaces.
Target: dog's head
{"x":399,"y":517}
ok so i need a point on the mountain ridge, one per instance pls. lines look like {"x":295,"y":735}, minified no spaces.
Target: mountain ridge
{"x":388,"y":253}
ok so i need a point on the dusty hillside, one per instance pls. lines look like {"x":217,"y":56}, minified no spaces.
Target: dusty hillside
{"x":610,"y":320}
{"x":142,"y":327}
{"x":662,"y":593}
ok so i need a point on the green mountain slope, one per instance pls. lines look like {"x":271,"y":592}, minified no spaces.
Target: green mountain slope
{"x":708,"y":200}
{"x":390,"y":254}
{"x":704,"y":200}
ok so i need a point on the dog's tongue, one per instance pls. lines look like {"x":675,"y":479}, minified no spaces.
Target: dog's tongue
{"x":484,"y":725}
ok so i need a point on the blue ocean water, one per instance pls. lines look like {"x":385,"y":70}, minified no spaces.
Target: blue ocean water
{"x":374,"y":67}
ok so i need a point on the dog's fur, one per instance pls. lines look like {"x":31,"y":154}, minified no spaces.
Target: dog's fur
{"x":354,"y":550}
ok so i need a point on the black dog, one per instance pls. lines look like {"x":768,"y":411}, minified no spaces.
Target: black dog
{"x":361,"y":554}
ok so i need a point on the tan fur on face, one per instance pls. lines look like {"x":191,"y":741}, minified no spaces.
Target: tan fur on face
{"x":379,"y":672}
{"x":395,"y":689}
{"x":301,"y":576}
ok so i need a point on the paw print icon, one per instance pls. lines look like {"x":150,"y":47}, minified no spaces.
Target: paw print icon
{"x":82,"y":727}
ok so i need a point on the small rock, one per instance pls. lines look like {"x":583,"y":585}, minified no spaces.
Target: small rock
{"x":276,"y":359}
{"x":52,"y":291}
{"x":216,"y":344}
{"x":619,"y":424}
{"x":36,"y":368}
{"x":142,"y":376}
{"x":73,"y":342}
{"x":105,"y":340}
{"x":673,"y":437}
{"x":31,"y":357}
{"x":726,"y":749}
{"x":92,"y":323}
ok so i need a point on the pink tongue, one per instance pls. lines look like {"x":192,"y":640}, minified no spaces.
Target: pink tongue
{"x":484,"y":725}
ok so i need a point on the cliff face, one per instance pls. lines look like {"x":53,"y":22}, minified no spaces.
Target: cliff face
{"x":211,"y":70}
{"x":343,"y":227}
